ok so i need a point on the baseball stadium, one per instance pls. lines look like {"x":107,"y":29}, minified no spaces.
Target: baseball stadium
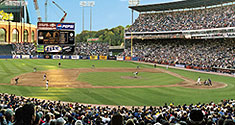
{"x":175,"y":64}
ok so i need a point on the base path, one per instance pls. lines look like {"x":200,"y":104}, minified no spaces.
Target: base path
{"x":68,"y":78}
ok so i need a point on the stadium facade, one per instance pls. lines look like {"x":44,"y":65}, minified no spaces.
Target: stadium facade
{"x":15,"y":24}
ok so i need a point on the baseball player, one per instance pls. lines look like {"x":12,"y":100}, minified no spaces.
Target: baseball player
{"x":44,"y":77}
{"x":198,"y":81}
{"x":135,"y":73}
{"x":59,"y":64}
{"x":47,"y":84}
{"x":167,"y":66}
{"x":34,"y":69}
{"x":16,"y":80}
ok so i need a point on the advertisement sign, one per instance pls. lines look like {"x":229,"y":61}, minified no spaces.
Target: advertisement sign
{"x":16,"y":57}
{"x":6,"y":16}
{"x":103,"y":57}
{"x":25,"y":56}
{"x":56,"y":57}
{"x":74,"y":57}
{"x":128,"y":58}
{"x":178,"y":65}
{"x":112,"y":58}
{"x":40,"y":48}
{"x":135,"y":58}
{"x":41,"y":56}
{"x":93,"y":57}
{"x":55,"y":26}
{"x":53,"y":49}
{"x":67,"y":49}
{"x":92,"y":39}
{"x":120,"y":58}
{"x":15,"y":3}
{"x":33,"y":56}
{"x":46,"y":26}
{"x":66,"y":57}
{"x":47,"y":56}
{"x":56,"y":37}
{"x":65,"y":26}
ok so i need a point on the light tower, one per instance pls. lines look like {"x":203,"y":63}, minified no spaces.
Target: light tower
{"x":133,"y":3}
{"x":87,"y":4}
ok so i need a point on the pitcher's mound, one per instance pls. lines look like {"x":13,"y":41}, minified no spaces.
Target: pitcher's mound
{"x":131,"y":77}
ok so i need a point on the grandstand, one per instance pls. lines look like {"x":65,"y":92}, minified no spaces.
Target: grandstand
{"x":194,"y":34}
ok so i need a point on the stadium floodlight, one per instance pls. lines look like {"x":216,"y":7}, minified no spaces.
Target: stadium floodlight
{"x":90,"y":4}
{"x":87,"y":4}
{"x":83,"y":4}
{"x":133,"y":3}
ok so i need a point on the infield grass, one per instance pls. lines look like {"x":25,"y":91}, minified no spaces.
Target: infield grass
{"x":121,"y":96}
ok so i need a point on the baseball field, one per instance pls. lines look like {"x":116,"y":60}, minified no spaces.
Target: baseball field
{"x":111,"y":83}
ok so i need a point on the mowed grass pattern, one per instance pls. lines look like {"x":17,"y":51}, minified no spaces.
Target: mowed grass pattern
{"x":116,"y":79}
{"x":123,"y":96}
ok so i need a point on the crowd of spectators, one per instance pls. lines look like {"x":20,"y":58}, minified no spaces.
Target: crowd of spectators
{"x":199,"y":53}
{"x":24,"y":48}
{"x":92,"y":49}
{"x":185,"y":20}
{"x":31,"y":111}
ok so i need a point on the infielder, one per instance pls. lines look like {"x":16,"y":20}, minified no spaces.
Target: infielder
{"x":135,"y":73}
{"x":198,"y":81}
{"x":44,"y":77}
{"x":47,"y":84}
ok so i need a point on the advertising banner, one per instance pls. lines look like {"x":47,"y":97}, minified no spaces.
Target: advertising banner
{"x":74,"y":57}
{"x":83,"y":57}
{"x":55,"y":26}
{"x":41,"y":56}
{"x":181,"y":66}
{"x":65,"y":26}
{"x":56,"y":57}
{"x":46,"y":26}
{"x":47,"y":57}
{"x":25,"y":56}
{"x":128,"y":58}
{"x":40,"y":48}
{"x":135,"y":58}
{"x":16,"y":57}
{"x":112,"y":57}
{"x":93,"y":57}
{"x":53,"y":48}
{"x":33,"y":57}
{"x":120,"y":58}
{"x":66,"y":57}
{"x":5,"y":57}
{"x":103,"y":57}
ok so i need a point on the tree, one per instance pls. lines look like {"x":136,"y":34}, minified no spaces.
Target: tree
{"x":114,"y":36}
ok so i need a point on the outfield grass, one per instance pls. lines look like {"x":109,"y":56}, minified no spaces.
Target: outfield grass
{"x":115,"y":79}
{"x":123,"y":96}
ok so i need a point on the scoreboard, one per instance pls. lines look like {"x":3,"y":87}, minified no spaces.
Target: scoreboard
{"x":55,"y":37}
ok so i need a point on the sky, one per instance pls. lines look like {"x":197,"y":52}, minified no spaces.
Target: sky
{"x":105,"y":13}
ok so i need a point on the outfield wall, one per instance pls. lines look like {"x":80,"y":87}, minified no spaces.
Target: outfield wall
{"x":118,"y":58}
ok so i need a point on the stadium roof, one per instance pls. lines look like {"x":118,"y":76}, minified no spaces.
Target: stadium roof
{"x":183,"y":4}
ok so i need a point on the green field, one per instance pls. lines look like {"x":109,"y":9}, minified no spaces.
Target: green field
{"x":115,"y":79}
{"x":121,"y":96}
